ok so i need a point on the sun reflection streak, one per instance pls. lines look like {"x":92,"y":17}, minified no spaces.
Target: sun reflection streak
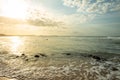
{"x":16,"y":43}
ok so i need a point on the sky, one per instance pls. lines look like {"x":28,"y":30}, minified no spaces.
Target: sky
{"x":60,"y":17}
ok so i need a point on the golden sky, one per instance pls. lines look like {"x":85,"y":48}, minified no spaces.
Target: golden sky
{"x":59,"y":17}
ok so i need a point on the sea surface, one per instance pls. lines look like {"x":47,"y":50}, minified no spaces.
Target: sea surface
{"x":60,"y":57}
{"x":57,"y":45}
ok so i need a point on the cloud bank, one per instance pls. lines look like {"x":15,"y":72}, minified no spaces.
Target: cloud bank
{"x":42,"y":18}
{"x":78,"y":18}
{"x":88,"y":9}
{"x":94,"y":6}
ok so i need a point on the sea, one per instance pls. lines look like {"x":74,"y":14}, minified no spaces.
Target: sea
{"x":60,"y":57}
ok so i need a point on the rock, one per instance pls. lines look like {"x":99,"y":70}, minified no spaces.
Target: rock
{"x":68,"y":54}
{"x":26,"y":59}
{"x":97,"y":57}
{"x":22,"y":54}
{"x":43,"y":55}
{"x":17,"y":56}
{"x":36,"y":56}
{"x":40,"y":55}
{"x":114,"y":69}
{"x":90,"y":55}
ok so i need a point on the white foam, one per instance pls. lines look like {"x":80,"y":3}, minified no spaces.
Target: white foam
{"x":81,"y":69}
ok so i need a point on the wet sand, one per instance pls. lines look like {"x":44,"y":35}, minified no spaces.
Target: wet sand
{"x":65,"y":66}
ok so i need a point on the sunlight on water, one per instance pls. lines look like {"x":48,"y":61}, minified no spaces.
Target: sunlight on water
{"x":16,"y":44}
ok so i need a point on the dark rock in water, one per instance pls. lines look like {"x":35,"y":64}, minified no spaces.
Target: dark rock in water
{"x":114,"y":69}
{"x":43,"y":55}
{"x":22,"y":54}
{"x":68,"y":54}
{"x":40,"y":55}
{"x":96,"y":57}
{"x":90,"y":55}
{"x":17,"y":56}
{"x":36,"y":56}
{"x":26,"y":59}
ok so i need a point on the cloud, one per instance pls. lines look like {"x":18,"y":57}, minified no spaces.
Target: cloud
{"x":94,"y":6}
{"x":10,"y":21}
{"x":77,"y":19}
{"x":43,"y":18}
{"x":87,"y":10}
{"x":44,"y":22}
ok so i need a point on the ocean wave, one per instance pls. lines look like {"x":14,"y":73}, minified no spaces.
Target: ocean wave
{"x":46,"y":68}
{"x":117,"y":38}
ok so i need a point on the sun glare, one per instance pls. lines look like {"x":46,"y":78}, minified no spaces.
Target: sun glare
{"x":14,"y":9}
{"x":16,"y":44}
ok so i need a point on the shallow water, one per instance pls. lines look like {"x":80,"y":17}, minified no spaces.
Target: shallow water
{"x":60,"y":58}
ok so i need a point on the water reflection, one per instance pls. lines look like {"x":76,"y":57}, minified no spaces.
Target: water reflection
{"x":16,"y":43}
{"x":30,"y":45}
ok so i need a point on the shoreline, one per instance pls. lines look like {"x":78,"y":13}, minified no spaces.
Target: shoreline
{"x":66,"y":67}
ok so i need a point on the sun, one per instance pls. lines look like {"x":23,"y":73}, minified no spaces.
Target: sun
{"x":14,"y":9}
